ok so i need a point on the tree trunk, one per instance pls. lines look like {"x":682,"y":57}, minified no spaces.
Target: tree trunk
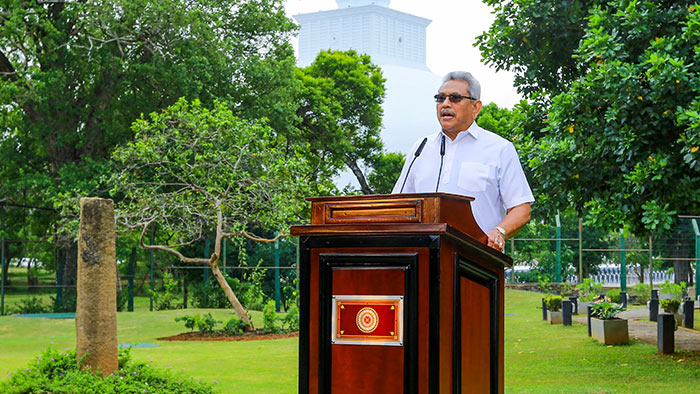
{"x":240,"y":312}
{"x":70,"y":270}
{"x":364,"y":186}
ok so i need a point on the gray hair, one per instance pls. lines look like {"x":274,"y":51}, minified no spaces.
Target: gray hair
{"x":474,"y":88}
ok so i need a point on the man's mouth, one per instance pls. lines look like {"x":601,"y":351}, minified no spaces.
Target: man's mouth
{"x":446,"y":114}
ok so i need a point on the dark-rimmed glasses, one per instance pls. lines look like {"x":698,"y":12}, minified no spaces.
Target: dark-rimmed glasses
{"x":454,"y":97}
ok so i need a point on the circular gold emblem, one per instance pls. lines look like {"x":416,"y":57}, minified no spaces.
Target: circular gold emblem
{"x":367,"y":320}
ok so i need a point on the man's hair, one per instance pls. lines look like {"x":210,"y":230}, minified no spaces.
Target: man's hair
{"x":474,"y":88}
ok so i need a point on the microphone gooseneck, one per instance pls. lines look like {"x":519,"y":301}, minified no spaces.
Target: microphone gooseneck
{"x":442,"y":157}
{"x":415,"y":156}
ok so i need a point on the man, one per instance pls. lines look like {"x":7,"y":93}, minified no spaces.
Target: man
{"x":474,"y":162}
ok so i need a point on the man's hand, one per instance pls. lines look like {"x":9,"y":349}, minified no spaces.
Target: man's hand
{"x":496,"y":240}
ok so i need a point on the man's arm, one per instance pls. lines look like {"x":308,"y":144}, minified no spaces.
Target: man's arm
{"x":515,"y":220}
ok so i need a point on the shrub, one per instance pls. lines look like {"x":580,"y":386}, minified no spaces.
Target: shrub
{"x":204,"y":323}
{"x":567,"y":289}
{"x":291,"y":319}
{"x":670,"y":305}
{"x":606,"y":310}
{"x":31,"y":304}
{"x":614,"y":295}
{"x":553,"y":303}
{"x":675,"y":291}
{"x":641,"y":293}
{"x":589,"y":290}
{"x":58,"y":372}
{"x":235,"y":326}
{"x":122,"y":298}
{"x":166,"y":298}
{"x":270,"y":317}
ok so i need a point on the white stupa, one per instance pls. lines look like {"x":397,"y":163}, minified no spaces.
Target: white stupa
{"x":396,"y":42}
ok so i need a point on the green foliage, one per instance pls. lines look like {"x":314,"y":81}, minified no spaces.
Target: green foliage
{"x":340,"y":116}
{"x":641,"y":293}
{"x":620,"y":135}
{"x":58,"y":372}
{"x":122,"y":298}
{"x":567,"y":289}
{"x":31,"y":304}
{"x":235,"y":326}
{"x":553,"y":303}
{"x":290,"y":321}
{"x":166,"y":298}
{"x":203,"y":324}
{"x":676,"y":291}
{"x":606,"y":310}
{"x":614,"y":295}
{"x":386,"y":169}
{"x":75,"y":75}
{"x":670,"y":306}
{"x":588,"y":290}
{"x":270,"y":317}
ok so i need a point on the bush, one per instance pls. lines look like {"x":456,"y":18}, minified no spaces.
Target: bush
{"x":270,"y":317}
{"x":641,"y":293}
{"x":235,"y":326}
{"x":203,"y":324}
{"x":291,"y":319}
{"x":58,"y":372}
{"x":166,"y":298}
{"x":675,"y":291}
{"x":670,"y":305}
{"x":553,"y":303}
{"x":122,"y":298}
{"x":31,"y":304}
{"x":589,"y":290}
{"x":614,"y":295}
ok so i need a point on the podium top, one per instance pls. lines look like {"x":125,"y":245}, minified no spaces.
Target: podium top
{"x":395,"y":212}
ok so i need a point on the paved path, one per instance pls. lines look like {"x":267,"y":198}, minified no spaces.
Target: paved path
{"x":645,"y":331}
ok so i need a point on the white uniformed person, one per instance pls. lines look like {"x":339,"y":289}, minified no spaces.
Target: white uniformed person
{"x":475,"y":163}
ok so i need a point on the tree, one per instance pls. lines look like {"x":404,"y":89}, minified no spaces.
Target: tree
{"x":75,"y":75}
{"x":192,"y":171}
{"x":340,"y":113}
{"x":621,"y":137}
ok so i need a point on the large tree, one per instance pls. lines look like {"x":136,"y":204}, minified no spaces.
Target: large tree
{"x":193,"y":171}
{"x":620,"y":139}
{"x":340,"y":113}
{"x":75,"y":74}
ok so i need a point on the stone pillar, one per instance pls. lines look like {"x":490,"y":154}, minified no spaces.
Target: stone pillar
{"x":666,"y":325}
{"x":566,"y":309}
{"x":96,"y":314}
{"x":544,"y":310}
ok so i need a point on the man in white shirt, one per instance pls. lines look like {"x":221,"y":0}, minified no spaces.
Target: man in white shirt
{"x":474,"y":162}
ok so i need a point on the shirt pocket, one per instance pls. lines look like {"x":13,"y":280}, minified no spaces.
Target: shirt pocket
{"x":474,"y":177}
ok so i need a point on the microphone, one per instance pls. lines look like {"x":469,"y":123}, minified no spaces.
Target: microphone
{"x":442,"y":157}
{"x":415,"y":156}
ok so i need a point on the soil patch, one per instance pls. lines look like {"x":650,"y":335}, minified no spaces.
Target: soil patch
{"x":249,"y":336}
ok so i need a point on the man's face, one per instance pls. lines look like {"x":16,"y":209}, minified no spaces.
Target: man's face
{"x":456,"y":117}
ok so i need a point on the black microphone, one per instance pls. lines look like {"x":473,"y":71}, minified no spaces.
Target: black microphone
{"x":442,"y":157}
{"x":415,"y":156}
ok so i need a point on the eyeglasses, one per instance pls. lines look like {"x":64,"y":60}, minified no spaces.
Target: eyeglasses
{"x":454,"y":97}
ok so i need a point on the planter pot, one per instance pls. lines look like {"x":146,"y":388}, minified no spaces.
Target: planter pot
{"x":610,"y":332}
{"x":554,"y":317}
{"x":583,"y":307}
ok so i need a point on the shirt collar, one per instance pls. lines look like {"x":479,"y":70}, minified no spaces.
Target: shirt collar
{"x":474,"y":130}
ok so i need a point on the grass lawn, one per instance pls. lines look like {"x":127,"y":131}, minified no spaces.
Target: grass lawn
{"x":540,"y":358}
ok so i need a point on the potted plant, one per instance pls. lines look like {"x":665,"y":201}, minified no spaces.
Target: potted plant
{"x":606,"y":327}
{"x":672,"y":306}
{"x":553,"y":304}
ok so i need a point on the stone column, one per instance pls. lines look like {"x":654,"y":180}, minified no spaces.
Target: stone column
{"x":96,"y":314}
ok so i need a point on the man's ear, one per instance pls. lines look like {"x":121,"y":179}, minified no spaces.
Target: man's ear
{"x":477,"y":108}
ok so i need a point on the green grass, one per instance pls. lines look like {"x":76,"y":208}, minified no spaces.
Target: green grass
{"x":543,"y":358}
{"x":540,"y":358}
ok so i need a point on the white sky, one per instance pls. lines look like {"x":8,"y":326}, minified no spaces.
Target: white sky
{"x":450,"y":38}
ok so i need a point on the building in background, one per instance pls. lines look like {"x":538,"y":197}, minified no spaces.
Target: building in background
{"x":396,"y":41}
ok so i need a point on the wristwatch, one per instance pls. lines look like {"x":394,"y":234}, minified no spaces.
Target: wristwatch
{"x":502,"y":231}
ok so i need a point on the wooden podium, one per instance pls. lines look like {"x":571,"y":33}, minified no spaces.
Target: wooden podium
{"x":399,"y":294}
